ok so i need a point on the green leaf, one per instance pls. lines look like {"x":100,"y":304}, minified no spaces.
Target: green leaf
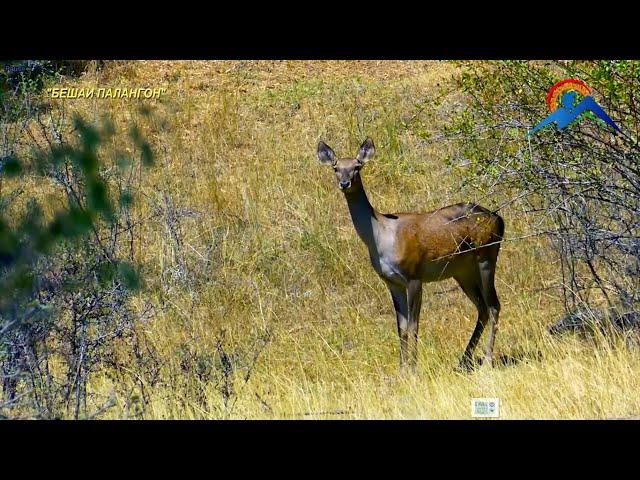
{"x":74,"y":223}
{"x":10,"y":166}
{"x":128,"y":276}
{"x":126,"y":199}
{"x":97,"y":198}
{"x":123,"y":161}
{"x":146,"y":155}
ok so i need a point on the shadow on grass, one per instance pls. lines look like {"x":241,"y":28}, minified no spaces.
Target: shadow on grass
{"x":507,"y":360}
{"x":518,"y":357}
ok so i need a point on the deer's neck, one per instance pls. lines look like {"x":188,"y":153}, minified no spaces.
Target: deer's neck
{"x":363,"y":216}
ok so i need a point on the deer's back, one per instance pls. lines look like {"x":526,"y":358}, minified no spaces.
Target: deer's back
{"x":428,"y":242}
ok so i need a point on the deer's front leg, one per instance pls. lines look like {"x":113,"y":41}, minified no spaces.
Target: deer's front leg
{"x":401,"y":307}
{"x":414,"y":298}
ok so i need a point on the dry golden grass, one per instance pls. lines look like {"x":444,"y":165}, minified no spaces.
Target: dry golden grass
{"x":272,"y":248}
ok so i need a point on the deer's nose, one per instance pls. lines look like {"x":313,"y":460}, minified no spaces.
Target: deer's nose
{"x":344,"y":184}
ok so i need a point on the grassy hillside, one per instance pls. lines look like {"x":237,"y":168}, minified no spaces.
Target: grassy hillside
{"x":264,"y":301}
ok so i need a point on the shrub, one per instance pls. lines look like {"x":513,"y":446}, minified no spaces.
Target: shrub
{"x":65,"y":277}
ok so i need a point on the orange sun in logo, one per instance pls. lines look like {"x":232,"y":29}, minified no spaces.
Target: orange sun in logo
{"x":555,"y":92}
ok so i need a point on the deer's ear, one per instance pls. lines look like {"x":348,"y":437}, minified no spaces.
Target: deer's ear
{"x":325,"y":154}
{"x":367,"y":149}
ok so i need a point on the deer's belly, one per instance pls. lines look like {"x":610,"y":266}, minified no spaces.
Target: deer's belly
{"x":436,"y":271}
{"x":394,"y":272}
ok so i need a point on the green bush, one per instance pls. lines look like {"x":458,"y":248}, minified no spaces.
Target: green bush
{"x":65,"y":278}
{"x":583,"y":181}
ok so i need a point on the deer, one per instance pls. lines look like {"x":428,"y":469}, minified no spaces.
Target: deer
{"x":407,"y":249}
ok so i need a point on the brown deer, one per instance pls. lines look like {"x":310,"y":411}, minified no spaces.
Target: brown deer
{"x":406,"y":249}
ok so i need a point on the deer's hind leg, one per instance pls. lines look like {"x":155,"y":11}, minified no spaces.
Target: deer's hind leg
{"x":471,"y":285}
{"x":487,"y":266}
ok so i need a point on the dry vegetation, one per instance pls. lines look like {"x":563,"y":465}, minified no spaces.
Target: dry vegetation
{"x":248,"y":235}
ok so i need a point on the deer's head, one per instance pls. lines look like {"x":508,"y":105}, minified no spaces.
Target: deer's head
{"x":347,"y":170}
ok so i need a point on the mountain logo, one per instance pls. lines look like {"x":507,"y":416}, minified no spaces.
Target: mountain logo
{"x":565,"y":105}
